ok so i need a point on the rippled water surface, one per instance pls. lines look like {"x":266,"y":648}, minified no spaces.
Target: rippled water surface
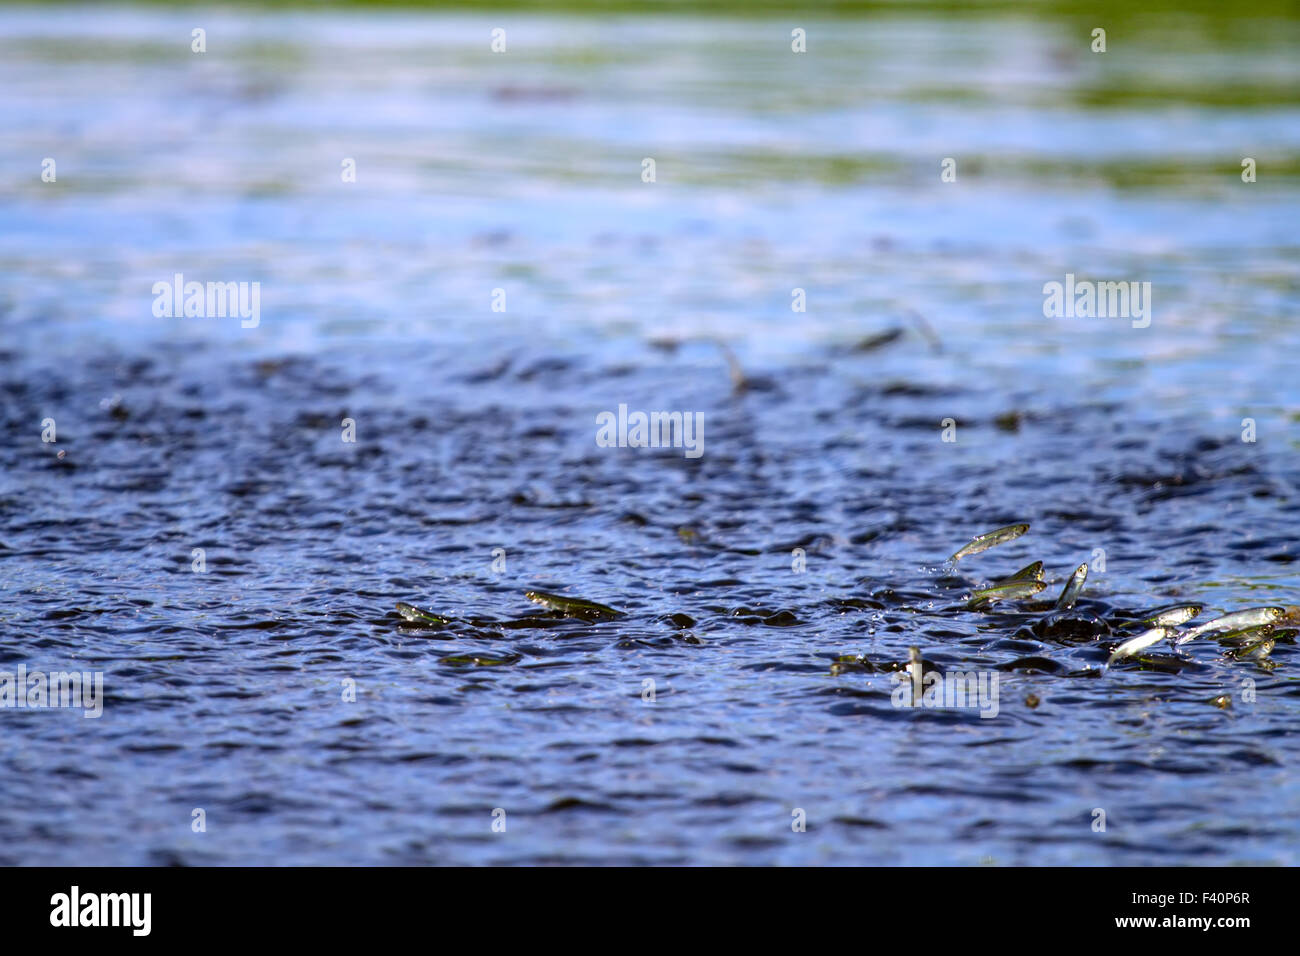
{"x":475,"y":431}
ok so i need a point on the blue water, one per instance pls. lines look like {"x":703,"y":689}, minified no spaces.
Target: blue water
{"x":476,"y":431}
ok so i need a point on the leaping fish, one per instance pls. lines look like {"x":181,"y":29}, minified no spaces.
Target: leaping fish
{"x":1140,"y":643}
{"x":1172,"y":616}
{"x":1072,"y":588}
{"x":1251,"y":617}
{"x":1245,"y":635}
{"x":1257,"y":649}
{"x":1011,"y":591}
{"x":418,"y":615}
{"x":1030,"y":572}
{"x":990,"y":539}
{"x":572,"y":607}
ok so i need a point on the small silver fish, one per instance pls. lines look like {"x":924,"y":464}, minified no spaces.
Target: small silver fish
{"x":1030,"y":572}
{"x":1257,"y":649}
{"x":1250,"y":617}
{"x":990,"y":539}
{"x":1072,"y":588}
{"x":1011,"y":591}
{"x":1140,"y":643}
{"x":1245,"y":635}
{"x":572,"y":607}
{"x":1173,"y":616}
{"x":418,"y":615}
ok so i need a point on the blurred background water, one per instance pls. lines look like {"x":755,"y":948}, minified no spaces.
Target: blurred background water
{"x":521,"y":171}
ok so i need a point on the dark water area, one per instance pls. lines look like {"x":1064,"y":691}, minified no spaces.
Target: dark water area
{"x":772,"y":586}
